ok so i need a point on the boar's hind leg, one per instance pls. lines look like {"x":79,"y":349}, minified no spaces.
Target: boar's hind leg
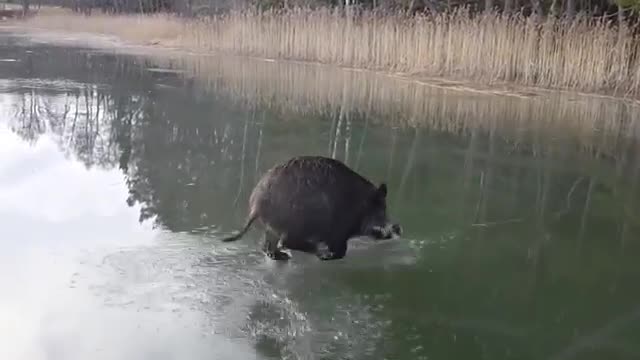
{"x":270,"y":247}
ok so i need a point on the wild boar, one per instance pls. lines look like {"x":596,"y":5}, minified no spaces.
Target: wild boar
{"x":308,"y":200}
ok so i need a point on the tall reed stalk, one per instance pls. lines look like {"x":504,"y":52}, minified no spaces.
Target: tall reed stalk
{"x":580,"y":54}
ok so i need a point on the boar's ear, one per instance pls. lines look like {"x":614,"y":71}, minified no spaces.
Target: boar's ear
{"x":382,"y":191}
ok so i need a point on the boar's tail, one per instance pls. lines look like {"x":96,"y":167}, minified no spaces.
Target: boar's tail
{"x":243,"y":231}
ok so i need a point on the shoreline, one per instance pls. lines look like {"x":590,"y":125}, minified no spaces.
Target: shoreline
{"x":101,"y":41}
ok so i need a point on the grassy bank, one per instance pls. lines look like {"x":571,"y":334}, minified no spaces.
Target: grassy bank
{"x":580,"y":54}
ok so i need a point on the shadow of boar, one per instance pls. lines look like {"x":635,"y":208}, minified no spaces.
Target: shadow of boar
{"x":309,"y":200}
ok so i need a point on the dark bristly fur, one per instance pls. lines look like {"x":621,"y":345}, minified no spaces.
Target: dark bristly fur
{"x":311,"y":199}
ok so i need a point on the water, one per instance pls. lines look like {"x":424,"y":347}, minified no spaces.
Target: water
{"x":118,"y":175}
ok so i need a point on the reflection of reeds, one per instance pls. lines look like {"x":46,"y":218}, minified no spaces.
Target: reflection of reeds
{"x":596,"y":124}
{"x":583,"y":54}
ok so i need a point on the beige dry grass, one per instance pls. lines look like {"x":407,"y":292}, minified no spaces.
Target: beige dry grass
{"x":133,"y":28}
{"x":581,"y":54}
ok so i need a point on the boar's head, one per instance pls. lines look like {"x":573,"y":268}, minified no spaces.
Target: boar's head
{"x":375,"y":222}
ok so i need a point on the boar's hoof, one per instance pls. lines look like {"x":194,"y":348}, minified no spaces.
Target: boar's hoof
{"x":278,"y":255}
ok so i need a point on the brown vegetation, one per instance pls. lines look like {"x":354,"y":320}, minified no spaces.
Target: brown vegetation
{"x":580,"y":54}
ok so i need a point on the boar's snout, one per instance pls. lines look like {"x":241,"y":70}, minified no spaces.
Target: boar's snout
{"x":388,"y":231}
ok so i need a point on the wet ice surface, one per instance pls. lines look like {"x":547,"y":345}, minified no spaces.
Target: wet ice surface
{"x":82,"y":278}
{"x":237,"y":293}
{"x":116,"y":180}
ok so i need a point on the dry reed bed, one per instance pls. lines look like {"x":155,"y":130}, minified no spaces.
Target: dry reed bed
{"x":596,"y":125}
{"x":132,"y":28}
{"x":581,"y":54}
